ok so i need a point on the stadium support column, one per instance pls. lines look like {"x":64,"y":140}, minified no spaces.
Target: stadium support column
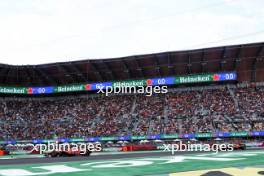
{"x":254,"y":64}
{"x":253,"y":71}
{"x":189,"y":65}
{"x":237,"y":60}
{"x":223,"y":61}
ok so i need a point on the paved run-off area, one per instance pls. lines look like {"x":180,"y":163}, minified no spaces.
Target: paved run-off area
{"x":242,"y":163}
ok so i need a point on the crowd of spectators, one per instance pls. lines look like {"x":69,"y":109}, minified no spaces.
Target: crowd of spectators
{"x":207,"y":109}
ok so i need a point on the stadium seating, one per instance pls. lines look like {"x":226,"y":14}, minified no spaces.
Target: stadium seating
{"x":185,"y":110}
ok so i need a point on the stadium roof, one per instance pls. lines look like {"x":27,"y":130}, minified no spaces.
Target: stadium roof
{"x":246,"y":59}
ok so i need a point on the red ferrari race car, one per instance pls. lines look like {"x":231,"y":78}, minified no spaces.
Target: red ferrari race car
{"x":3,"y":151}
{"x":66,"y":153}
{"x":239,"y":146}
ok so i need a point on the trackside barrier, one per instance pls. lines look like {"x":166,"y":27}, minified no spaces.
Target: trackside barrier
{"x":254,"y":145}
{"x":135,"y":138}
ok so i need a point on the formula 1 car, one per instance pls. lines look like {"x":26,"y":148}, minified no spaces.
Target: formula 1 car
{"x":239,"y":146}
{"x":4,"y":151}
{"x":67,"y":153}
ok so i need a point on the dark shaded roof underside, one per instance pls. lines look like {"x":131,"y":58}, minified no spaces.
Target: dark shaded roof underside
{"x":246,"y":59}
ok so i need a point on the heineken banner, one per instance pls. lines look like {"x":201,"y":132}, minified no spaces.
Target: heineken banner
{"x":196,"y":78}
{"x":108,"y":138}
{"x":134,"y":83}
{"x":169,"y":136}
{"x":203,"y":135}
{"x":239,"y":134}
{"x":70,"y":88}
{"x":13,"y":90}
{"x":138,"y":137}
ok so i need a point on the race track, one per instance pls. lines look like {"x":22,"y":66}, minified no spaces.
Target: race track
{"x":151,"y":163}
{"x":106,"y":156}
{"x":81,"y":158}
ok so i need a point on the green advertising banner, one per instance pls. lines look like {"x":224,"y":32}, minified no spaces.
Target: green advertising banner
{"x":169,"y":136}
{"x":194,"y":78}
{"x":203,"y":135}
{"x":70,"y":88}
{"x":13,"y":90}
{"x":138,"y":137}
{"x":244,"y":133}
{"x":77,"y":140}
{"x":129,"y":83}
{"x":48,"y":140}
{"x":108,"y":138}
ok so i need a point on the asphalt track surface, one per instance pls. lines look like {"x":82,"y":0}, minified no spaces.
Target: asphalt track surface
{"x":92,"y":157}
{"x":84,"y":158}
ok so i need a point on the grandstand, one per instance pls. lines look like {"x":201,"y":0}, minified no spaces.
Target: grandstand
{"x":31,"y":109}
